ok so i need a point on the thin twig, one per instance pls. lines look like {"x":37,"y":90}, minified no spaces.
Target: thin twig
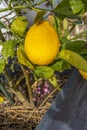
{"x":10,"y":3}
{"x":8,"y":78}
{"x":38,"y":3}
{"x":36,"y":109}
{"x":18,"y":82}
{"x":11,"y":84}
{"x":47,"y":98}
{"x":28,"y":86}
{"x":68,"y":33}
{"x":1,"y":36}
{"x":23,"y":7}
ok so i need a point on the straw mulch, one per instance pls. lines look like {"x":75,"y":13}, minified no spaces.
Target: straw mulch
{"x":21,"y":116}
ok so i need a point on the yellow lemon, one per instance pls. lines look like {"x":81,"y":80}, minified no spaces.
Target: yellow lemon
{"x":41,"y":43}
{"x":84,"y":74}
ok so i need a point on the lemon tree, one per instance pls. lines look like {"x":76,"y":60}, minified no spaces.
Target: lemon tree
{"x":46,"y":45}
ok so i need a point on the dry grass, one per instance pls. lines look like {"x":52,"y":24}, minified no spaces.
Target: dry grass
{"x":22,"y":116}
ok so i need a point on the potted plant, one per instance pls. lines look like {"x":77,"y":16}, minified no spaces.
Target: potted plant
{"x":34,"y":55}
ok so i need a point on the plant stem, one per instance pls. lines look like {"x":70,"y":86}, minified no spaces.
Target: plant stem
{"x":1,"y":36}
{"x":10,"y":3}
{"x":15,"y":91}
{"x":66,"y":35}
{"x":3,"y":24}
{"x":18,"y":81}
{"x":14,"y":8}
{"x":23,"y":7}
{"x":8,"y":78}
{"x":28,"y":86}
{"x":38,"y":3}
{"x":5,"y":92}
{"x":51,"y":2}
{"x":56,"y":21}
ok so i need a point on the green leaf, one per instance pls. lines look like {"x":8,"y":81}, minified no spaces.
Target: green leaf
{"x":44,"y":72}
{"x":60,"y":65}
{"x":19,"y":25}
{"x":76,"y":6}
{"x":69,"y":9}
{"x":39,"y":15}
{"x":8,"y":49}
{"x":22,"y":58}
{"x":85,"y":5}
{"x":76,"y":46}
{"x":2,"y":25}
{"x":2,"y":65}
{"x":84,"y":56}
{"x":53,"y":81}
{"x":64,"y":8}
{"x":74,"y":59}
